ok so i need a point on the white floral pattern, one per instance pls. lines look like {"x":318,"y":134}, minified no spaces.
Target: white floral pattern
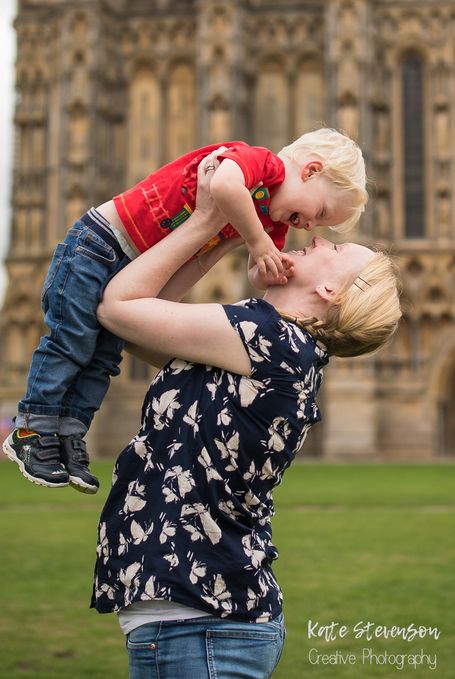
{"x":188,"y":516}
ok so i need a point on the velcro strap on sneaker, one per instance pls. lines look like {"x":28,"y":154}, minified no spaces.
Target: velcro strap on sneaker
{"x":49,"y":446}
{"x":79,"y":444}
{"x":48,"y":441}
{"x":80,"y":450}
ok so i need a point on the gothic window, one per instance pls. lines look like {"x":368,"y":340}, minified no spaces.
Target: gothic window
{"x":413,"y":149}
{"x":144,"y":152}
{"x":181,"y":112}
{"x":78,"y":140}
{"x":271,"y":127}
{"x":23,"y":146}
{"x":310,"y":97}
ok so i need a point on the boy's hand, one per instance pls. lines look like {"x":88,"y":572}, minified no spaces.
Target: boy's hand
{"x":266,"y":256}
{"x":262,"y":282}
{"x":281,"y":278}
{"x":288,"y":270}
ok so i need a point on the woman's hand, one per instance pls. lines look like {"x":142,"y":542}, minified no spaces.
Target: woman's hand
{"x":205,"y":204}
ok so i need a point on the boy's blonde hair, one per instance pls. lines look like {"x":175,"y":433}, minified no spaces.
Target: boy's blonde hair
{"x":343,"y":165}
{"x":365,"y":314}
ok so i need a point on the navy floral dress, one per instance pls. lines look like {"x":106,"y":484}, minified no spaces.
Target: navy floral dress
{"x":188,"y":515}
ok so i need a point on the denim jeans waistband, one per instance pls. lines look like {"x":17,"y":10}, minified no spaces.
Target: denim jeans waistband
{"x":99,"y":225}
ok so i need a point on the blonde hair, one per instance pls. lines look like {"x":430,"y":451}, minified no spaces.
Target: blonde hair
{"x":343,"y":165}
{"x":365,"y":314}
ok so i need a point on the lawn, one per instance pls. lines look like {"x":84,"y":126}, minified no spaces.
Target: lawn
{"x":357,"y":543}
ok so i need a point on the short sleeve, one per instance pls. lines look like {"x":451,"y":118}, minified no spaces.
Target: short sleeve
{"x":257,"y":163}
{"x":253,"y":322}
{"x":276,"y":349}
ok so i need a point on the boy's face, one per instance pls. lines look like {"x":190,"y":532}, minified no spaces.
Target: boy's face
{"x":307,"y":199}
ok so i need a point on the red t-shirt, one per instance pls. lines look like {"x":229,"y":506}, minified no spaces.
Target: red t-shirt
{"x":166,"y":198}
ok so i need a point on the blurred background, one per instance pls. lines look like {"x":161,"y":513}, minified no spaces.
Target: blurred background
{"x":108,"y":90}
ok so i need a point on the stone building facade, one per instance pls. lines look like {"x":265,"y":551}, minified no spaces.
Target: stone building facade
{"x":108,"y":90}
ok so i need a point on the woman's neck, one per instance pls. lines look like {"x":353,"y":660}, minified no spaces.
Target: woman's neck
{"x":296,"y":302}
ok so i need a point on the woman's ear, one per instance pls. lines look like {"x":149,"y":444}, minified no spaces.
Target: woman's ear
{"x":310,"y":168}
{"x":326,"y":293}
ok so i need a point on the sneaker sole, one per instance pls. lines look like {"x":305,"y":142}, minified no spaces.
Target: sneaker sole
{"x":11,"y":455}
{"x":82,"y":486}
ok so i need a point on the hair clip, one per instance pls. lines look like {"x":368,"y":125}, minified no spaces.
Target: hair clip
{"x":363,"y":281}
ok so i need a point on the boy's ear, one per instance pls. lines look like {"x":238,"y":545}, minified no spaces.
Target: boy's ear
{"x":310,"y":168}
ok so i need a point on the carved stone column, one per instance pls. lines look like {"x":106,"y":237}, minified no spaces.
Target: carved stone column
{"x":64,"y":152}
{"x":26,"y":262}
{"x":347,"y":42}
{"x":350,"y":428}
{"x":221,"y":70}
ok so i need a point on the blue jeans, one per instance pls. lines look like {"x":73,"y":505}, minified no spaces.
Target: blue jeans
{"x":205,"y":648}
{"x":72,"y":365}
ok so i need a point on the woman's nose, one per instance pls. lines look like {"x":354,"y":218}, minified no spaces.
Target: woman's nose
{"x":318,"y":240}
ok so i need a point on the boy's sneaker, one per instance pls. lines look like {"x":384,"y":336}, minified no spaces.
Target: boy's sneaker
{"x":38,"y":457}
{"x":73,"y":453}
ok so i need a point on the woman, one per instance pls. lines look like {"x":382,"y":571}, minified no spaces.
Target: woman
{"x":185,"y":550}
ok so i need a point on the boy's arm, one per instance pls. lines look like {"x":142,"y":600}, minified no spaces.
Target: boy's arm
{"x":229,"y":192}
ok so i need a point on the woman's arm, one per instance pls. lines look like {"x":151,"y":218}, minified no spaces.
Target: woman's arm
{"x":191,"y":272}
{"x":196,"y":332}
{"x":182,"y":281}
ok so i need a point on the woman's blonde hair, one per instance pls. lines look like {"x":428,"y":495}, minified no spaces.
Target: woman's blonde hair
{"x":343,"y":165}
{"x":365,"y":314}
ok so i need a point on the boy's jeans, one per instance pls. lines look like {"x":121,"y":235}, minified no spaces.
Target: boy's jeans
{"x":71,"y":367}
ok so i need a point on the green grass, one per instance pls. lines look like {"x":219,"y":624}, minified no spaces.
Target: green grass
{"x":372,"y":543}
